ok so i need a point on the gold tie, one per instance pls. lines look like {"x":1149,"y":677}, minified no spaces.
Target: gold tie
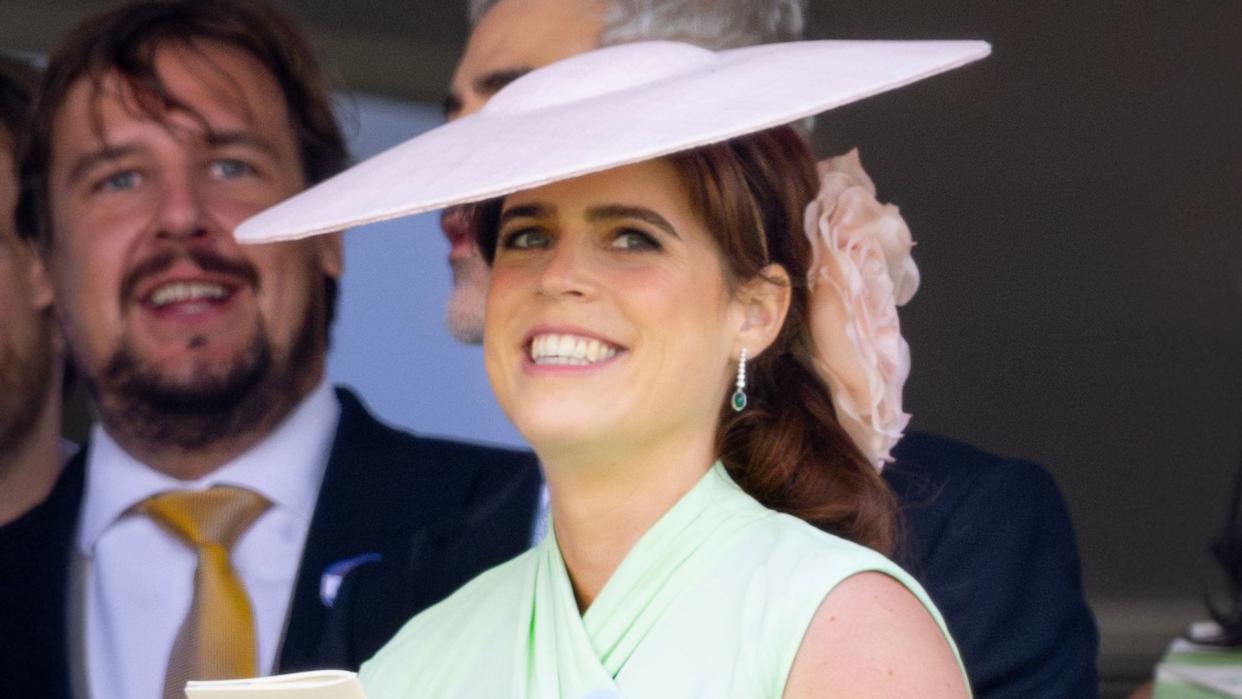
{"x":217,"y":639}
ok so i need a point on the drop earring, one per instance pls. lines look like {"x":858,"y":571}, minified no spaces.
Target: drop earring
{"x":739,"y":396}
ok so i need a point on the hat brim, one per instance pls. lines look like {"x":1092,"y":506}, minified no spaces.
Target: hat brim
{"x":603,"y":109}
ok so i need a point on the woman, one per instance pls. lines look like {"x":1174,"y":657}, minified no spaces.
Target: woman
{"x":651,"y":332}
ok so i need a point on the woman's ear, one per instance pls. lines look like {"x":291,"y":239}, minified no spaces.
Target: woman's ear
{"x":762,"y":303}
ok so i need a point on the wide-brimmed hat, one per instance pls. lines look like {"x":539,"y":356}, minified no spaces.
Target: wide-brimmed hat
{"x":602,"y":109}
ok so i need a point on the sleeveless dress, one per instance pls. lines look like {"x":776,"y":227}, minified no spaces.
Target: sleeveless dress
{"x":713,"y":601}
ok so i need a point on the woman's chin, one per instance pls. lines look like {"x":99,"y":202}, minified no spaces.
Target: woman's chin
{"x":566,"y":429}
{"x":547,"y":438}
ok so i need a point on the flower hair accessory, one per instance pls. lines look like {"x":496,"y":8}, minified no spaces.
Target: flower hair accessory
{"x":860,"y":272}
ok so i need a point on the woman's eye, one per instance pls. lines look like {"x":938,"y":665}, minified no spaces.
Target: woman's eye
{"x":228,"y":168}
{"x":525,"y":238}
{"x":631,"y":239}
{"x":119,"y":181}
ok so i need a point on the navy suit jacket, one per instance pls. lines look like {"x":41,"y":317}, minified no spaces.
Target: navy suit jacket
{"x":991,"y":541}
{"x":384,"y":492}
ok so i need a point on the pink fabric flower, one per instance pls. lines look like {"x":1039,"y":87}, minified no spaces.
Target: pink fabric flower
{"x":860,"y":272}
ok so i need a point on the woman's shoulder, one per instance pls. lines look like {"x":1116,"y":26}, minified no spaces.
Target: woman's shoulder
{"x":872,"y":637}
{"x":458,"y":627}
{"x":795,"y":570}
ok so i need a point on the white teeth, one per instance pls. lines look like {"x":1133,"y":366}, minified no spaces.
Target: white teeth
{"x":572,"y":350}
{"x":176,"y":292}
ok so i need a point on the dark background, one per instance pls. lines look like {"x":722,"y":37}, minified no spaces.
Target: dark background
{"x":1077,"y":199}
{"x":1078,"y":202}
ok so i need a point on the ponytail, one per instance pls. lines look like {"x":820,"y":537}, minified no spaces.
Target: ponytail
{"x":786,"y":449}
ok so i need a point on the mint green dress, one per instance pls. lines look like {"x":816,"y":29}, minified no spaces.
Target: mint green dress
{"x":712,"y":601}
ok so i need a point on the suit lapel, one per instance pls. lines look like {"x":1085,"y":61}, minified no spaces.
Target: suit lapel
{"x":352,"y":518}
{"x":437,"y":512}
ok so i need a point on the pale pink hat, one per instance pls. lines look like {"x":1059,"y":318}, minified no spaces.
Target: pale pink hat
{"x":601,"y":109}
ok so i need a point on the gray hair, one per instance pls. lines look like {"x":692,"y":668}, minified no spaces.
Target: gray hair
{"x":712,"y":24}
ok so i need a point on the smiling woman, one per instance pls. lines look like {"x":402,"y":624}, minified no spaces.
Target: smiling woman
{"x":641,"y":273}
{"x":642,"y":253}
{"x":610,"y":261}
{"x":619,"y":307}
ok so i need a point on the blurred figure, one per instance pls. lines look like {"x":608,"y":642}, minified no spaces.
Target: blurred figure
{"x":30,"y":371}
{"x":227,"y":491}
{"x":989,"y":538}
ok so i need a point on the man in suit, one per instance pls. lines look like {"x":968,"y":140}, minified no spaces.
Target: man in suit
{"x":227,"y":490}
{"x":989,"y":538}
{"x":30,"y":373}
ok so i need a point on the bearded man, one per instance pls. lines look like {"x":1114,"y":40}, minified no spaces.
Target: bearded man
{"x":228,"y":489}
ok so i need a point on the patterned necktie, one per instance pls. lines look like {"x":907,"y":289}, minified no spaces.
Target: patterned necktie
{"x":217,"y":639}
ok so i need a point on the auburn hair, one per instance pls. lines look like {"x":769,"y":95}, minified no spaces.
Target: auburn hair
{"x":786,"y":449}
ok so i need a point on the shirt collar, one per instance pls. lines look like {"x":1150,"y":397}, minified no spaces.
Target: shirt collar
{"x":286,"y":467}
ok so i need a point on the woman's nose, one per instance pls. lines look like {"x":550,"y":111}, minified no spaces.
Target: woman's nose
{"x":567,"y":273}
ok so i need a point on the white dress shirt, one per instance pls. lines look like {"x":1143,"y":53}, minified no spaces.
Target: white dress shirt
{"x":139,"y":580}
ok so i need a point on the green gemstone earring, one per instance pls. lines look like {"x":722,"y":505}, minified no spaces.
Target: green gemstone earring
{"x":739,"y":396}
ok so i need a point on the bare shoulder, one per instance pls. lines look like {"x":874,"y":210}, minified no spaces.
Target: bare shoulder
{"x":872,"y":637}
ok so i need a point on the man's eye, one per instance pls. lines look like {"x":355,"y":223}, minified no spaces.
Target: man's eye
{"x":525,"y":238}
{"x":632,"y":239}
{"x":119,"y":181}
{"x":228,"y":168}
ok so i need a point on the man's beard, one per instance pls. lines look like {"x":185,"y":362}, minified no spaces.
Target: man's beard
{"x":25,"y":382}
{"x":214,"y":405}
{"x":464,"y":311}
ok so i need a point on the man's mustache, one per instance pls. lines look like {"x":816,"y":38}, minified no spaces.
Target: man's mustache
{"x":206,"y":260}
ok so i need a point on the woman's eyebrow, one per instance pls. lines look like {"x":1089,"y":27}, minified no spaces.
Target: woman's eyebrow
{"x":642,"y":214}
{"x":527,"y":211}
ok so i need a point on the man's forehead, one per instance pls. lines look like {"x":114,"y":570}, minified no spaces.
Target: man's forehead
{"x":199,"y":89}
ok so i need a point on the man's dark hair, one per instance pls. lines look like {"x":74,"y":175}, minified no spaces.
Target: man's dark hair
{"x":17,"y":83}
{"x":125,"y":40}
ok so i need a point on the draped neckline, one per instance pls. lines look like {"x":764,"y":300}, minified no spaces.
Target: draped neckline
{"x":568,"y":654}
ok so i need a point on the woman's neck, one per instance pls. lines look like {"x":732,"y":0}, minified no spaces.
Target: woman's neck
{"x":602,"y":503}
